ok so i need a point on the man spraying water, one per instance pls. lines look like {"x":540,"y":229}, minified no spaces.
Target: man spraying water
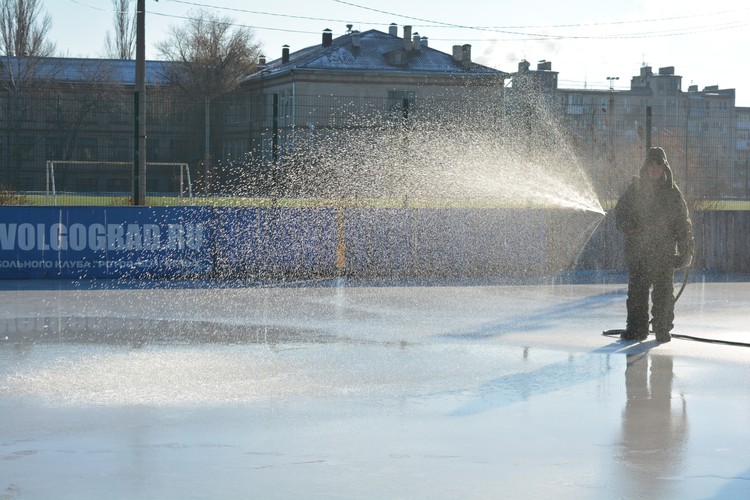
{"x":654,"y":219}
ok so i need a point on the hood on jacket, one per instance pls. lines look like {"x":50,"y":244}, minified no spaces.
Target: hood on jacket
{"x":657,"y":154}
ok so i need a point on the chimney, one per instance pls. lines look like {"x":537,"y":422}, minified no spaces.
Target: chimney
{"x":327,"y":37}
{"x":285,"y":54}
{"x":457,"y":53}
{"x":407,"y":37}
{"x":424,"y":41}
{"x":544,"y":66}
{"x":466,"y":55}
{"x":261,"y":61}
{"x":356,"y":38}
{"x":523,"y":66}
{"x":393,"y":29}
{"x":416,"y":41}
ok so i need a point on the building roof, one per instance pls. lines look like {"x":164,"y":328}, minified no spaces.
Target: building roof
{"x":79,"y":70}
{"x":376,"y":51}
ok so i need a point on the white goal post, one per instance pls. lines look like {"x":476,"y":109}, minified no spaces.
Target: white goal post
{"x":185,"y":186}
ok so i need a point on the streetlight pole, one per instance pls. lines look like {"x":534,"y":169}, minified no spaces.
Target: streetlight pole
{"x":612,"y":82}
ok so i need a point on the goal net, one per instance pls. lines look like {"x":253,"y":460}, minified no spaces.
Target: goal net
{"x":110,"y":182}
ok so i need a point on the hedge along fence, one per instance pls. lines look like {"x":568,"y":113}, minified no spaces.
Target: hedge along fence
{"x":303,"y":242}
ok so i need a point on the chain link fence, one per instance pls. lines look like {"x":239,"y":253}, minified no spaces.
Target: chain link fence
{"x":256,"y":149}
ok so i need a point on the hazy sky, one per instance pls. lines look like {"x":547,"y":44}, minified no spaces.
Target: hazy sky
{"x":586,"y":41}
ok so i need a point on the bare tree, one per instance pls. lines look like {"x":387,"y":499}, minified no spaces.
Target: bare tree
{"x":214,"y":55}
{"x":121,"y":44}
{"x":24,"y":28}
{"x":211,"y":56}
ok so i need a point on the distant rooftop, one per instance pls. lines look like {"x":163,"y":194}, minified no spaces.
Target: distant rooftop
{"x":79,"y":70}
{"x":374,"y":50}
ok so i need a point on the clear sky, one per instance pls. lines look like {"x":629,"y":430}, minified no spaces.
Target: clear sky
{"x":587,"y":41}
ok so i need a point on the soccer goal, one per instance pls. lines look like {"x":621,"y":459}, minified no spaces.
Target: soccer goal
{"x":110,"y":182}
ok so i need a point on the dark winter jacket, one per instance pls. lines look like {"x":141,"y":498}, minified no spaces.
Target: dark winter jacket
{"x":655,"y":222}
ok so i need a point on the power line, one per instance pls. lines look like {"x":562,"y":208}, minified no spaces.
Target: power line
{"x":90,"y":6}
{"x":573,"y":25}
{"x":263,"y":13}
{"x":514,"y":35}
{"x":624,"y":36}
{"x":238,"y":25}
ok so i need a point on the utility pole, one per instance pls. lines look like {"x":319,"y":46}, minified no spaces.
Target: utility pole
{"x":139,"y":107}
{"x":611,"y":122}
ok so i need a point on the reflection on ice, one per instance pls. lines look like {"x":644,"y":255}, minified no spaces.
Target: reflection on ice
{"x":654,"y":427}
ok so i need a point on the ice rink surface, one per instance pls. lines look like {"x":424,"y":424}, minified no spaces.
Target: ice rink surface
{"x":341,"y":389}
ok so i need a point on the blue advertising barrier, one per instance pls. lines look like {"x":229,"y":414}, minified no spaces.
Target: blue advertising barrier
{"x":280,"y":242}
{"x":378,"y":241}
{"x":104,"y":242}
{"x":445,"y":242}
{"x":262,"y":241}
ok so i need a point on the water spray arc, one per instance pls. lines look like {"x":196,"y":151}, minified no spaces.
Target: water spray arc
{"x":437,"y":154}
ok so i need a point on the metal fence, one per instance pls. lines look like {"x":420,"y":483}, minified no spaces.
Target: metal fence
{"x":707,"y":148}
{"x":273,"y":146}
{"x":722,"y":243}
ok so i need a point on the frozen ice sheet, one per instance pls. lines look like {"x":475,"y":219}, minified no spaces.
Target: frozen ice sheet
{"x":346,"y":390}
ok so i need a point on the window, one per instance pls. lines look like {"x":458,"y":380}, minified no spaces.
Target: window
{"x":118,"y":113}
{"x":25,"y":147}
{"x":86,"y":149}
{"x":53,"y":149}
{"x":119,"y":149}
{"x":152,"y":150}
{"x":400,"y":101}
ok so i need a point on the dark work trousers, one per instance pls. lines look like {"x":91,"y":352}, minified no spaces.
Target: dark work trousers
{"x":641,"y":278}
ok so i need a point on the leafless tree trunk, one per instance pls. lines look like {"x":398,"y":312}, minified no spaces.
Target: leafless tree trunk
{"x":121,"y":44}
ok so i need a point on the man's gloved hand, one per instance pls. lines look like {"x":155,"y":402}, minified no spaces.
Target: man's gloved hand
{"x":682,"y":261}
